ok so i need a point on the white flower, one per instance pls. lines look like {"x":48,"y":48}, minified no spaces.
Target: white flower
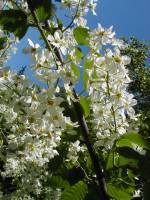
{"x":2,"y":108}
{"x":32,"y":49}
{"x":10,"y":115}
{"x":58,"y":41}
{"x":34,"y":46}
{"x":74,"y":150}
{"x":93,"y":4}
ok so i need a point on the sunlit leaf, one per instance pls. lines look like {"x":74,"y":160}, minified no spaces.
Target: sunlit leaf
{"x":75,"y":69}
{"x":117,"y":192}
{"x":87,"y":63}
{"x":85,"y":103}
{"x":81,"y":35}
{"x":78,"y":53}
{"x":131,"y":139}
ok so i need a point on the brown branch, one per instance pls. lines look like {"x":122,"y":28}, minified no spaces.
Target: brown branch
{"x":94,"y":157}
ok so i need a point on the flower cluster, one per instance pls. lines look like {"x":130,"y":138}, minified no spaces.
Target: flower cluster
{"x":111,"y":103}
{"x":74,"y":150}
{"x":33,"y":122}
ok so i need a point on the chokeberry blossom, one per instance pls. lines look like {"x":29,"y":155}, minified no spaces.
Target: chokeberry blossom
{"x":33,"y":117}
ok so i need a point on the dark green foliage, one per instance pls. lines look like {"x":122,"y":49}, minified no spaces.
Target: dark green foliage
{"x":139,"y":72}
{"x":3,"y":41}
{"x":44,"y":9}
{"x":76,"y":192}
{"x":14,"y":21}
{"x":93,"y":193}
{"x":58,"y":182}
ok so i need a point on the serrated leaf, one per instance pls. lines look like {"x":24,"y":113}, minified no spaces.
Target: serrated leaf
{"x":14,"y":21}
{"x":85,"y":103}
{"x":76,"y":192}
{"x":81,"y":35}
{"x":117,"y":192}
{"x":75,"y":69}
{"x":131,"y":139}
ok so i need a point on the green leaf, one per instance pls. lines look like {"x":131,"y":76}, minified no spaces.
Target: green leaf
{"x":129,"y":153}
{"x":132,"y":139}
{"x":110,"y":161}
{"x":58,"y":182}
{"x":81,"y":35}
{"x":85,"y":103}
{"x":78,"y":53}
{"x":87,"y":63}
{"x":114,"y":160}
{"x":42,"y":14}
{"x":75,"y":192}
{"x":117,"y":192}
{"x":122,"y":161}
{"x":2,"y":157}
{"x":85,"y":79}
{"x":3,"y":41}
{"x":14,"y":21}
{"x":44,"y":10}
{"x":75,"y":69}
{"x":124,"y":143}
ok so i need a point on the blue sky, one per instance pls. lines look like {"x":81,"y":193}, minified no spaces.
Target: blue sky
{"x":128,"y":17}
